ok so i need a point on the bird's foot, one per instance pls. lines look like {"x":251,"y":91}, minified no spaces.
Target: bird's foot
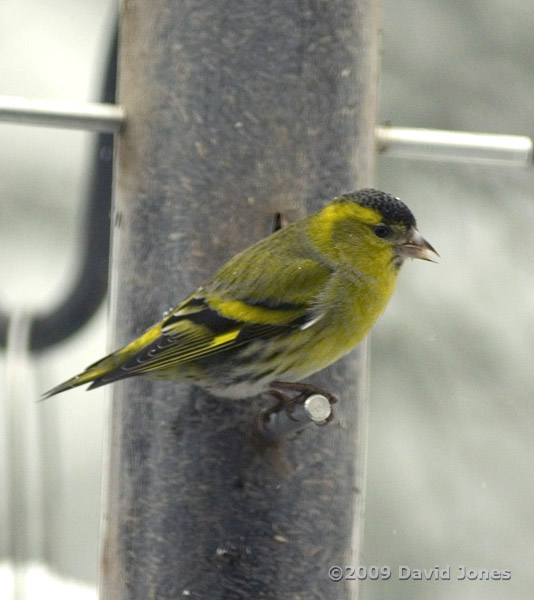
{"x":282,"y":391}
{"x":299,"y":405}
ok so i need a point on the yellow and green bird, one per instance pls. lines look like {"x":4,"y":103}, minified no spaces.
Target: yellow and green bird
{"x":288,"y":306}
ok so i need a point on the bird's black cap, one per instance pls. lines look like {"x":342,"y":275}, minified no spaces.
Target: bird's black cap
{"x":390,"y":207}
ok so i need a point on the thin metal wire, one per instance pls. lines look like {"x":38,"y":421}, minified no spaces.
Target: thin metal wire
{"x":25,"y":523}
{"x":68,"y":115}
{"x":455,"y":146}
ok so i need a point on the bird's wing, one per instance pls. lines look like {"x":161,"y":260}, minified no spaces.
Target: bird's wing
{"x":208,"y":323}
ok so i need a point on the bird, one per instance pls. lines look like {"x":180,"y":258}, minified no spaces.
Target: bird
{"x":284,"y":308}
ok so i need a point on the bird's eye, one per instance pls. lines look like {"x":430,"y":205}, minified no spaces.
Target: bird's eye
{"x":382,"y":231}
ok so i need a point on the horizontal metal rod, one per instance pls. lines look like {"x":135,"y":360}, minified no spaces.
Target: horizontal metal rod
{"x":456,"y":146}
{"x":69,"y":115}
{"x":405,"y":142}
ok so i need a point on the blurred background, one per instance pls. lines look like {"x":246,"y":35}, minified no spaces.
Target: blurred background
{"x":450,"y":477}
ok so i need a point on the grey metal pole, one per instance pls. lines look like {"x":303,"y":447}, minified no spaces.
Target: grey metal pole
{"x":237,"y":111}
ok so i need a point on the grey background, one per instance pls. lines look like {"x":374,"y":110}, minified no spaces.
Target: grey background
{"x":449,"y":479}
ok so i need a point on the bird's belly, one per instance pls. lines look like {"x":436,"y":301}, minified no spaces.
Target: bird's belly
{"x":342,"y":329}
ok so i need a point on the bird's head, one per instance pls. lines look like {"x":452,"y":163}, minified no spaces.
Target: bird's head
{"x":369,"y":230}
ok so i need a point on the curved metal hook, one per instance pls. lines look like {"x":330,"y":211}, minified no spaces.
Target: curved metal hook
{"x":91,"y":283}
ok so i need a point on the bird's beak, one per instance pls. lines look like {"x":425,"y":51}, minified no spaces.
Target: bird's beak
{"x":417,"y":247}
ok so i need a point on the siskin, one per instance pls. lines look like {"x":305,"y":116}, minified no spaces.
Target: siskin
{"x":286,"y":307}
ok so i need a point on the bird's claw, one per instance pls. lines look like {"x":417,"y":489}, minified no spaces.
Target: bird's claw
{"x":293,"y":412}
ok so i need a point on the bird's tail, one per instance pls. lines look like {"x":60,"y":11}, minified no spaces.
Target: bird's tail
{"x":107,"y":369}
{"x":91,"y":375}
